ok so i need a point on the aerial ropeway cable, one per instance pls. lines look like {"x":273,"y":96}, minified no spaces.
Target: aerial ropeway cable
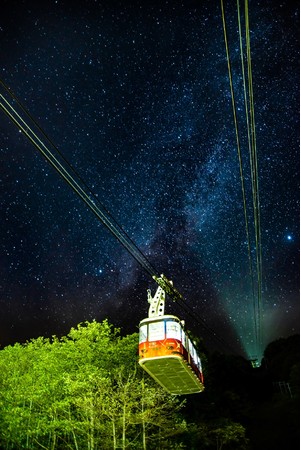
{"x":24,"y":121}
{"x":171,"y":359}
{"x":69,"y":174}
{"x":177,"y":368}
{"x":256,"y":278}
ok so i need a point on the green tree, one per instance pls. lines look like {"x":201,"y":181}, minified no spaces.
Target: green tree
{"x":84,"y":391}
{"x":229,"y":434}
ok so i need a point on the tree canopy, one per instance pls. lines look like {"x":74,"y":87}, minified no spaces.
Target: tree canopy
{"x":86,"y":391}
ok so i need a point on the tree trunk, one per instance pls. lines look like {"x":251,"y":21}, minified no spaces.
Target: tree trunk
{"x":143,"y":421}
{"x":144,"y":434}
{"x":53,"y":441}
{"x":123,"y":425}
{"x":28,"y":424}
{"x":92,"y":425}
{"x":75,"y":440}
{"x":73,"y":434}
{"x":114,"y":434}
{"x":53,"y":436}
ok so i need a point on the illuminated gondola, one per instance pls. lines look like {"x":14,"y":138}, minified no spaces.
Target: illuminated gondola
{"x":165,"y":351}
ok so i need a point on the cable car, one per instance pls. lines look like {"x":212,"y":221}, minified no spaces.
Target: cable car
{"x":165,"y":351}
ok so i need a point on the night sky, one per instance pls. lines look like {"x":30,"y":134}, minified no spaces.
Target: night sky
{"x":136,"y":96}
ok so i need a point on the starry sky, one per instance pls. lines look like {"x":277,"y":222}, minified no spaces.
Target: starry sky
{"x":136,"y":96}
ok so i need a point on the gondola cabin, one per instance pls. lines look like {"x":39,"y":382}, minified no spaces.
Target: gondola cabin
{"x":167,"y":354}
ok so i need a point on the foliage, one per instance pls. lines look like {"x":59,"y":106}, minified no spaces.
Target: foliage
{"x":229,"y":434}
{"x":82,"y":391}
{"x":280,"y":356}
{"x":86,"y":391}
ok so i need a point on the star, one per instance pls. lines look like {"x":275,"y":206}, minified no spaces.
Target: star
{"x":137,"y":99}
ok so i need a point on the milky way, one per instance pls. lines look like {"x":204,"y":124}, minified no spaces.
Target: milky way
{"x":136,"y":96}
